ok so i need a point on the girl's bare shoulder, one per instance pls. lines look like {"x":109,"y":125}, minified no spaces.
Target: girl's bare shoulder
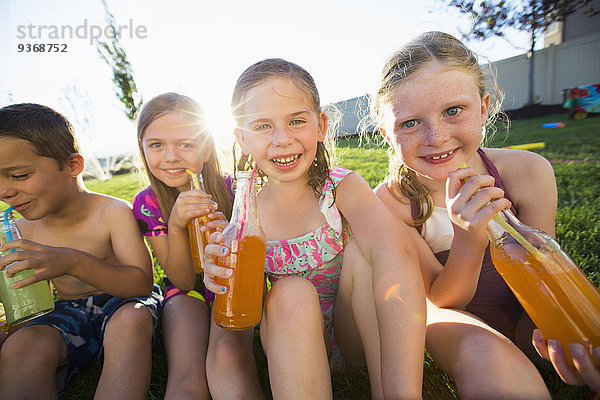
{"x":398,"y":204}
{"x":522,"y":172}
{"x":516,"y":164}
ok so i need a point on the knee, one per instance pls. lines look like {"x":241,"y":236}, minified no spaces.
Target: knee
{"x":482,"y":346}
{"x":229,"y":353}
{"x":291,"y":297}
{"x":484,"y":357}
{"x":131,"y":318}
{"x":32,"y":343}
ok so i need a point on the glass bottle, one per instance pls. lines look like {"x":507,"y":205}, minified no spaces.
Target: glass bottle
{"x":198,"y":238}
{"x":555,"y":293}
{"x":26,"y":303}
{"x":241,"y":306}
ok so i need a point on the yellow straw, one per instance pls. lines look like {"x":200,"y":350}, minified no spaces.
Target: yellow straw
{"x":194,"y":179}
{"x":518,"y":237}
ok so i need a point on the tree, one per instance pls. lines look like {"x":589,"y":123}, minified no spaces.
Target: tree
{"x":113,"y":54}
{"x":81,"y":116}
{"x":495,"y":17}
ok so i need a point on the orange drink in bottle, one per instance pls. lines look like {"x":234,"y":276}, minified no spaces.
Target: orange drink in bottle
{"x":555,"y":293}
{"x":198,"y":238}
{"x":241,"y":306}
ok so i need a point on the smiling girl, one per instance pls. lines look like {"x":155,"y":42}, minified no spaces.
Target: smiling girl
{"x":432,"y":108}
{"x":173,"y":138}
{"x":338,"y":294}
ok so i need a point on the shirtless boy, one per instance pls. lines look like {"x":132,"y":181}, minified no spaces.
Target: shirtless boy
{"x":89,"y":246}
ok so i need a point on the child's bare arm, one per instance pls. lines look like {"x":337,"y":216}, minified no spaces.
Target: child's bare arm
{"x":397,"y":283}
{"x":471,"y":205}
{"x":127,"y":274}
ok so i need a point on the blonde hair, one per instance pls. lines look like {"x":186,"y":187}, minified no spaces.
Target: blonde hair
{"x":211,"y":171}
{"x":419,"y":52}
{"x":263,"y":70}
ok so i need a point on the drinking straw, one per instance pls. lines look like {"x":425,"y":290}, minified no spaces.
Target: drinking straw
{"x":194,"y":176}
{"x":245,"y":206}
{"x":518,"y":237}
{"x":9,"y":235}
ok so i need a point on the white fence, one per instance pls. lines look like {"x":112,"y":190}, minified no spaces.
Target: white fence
{"x":556,"y":68}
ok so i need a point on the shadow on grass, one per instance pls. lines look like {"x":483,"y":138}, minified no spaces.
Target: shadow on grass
{"x":350,"y":384}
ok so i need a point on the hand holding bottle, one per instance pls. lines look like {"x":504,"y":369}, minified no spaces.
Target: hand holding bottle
{"x":584,"y":370}
{"x":240,"y":305}
{"x":189,"y":205}
{"x":23,"y":293}
{"x":198,"y":218}
{"x":213,"y":251}
{"x":554,"y":292}
{"x":44,"y":262}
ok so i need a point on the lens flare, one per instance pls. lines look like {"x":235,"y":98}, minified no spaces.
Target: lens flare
{"x":393,"y":292}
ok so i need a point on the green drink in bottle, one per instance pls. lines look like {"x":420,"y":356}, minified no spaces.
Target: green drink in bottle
{"x":29,"y":302}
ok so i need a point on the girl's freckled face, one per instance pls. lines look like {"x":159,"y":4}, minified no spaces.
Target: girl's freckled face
{"x":434,"y":120}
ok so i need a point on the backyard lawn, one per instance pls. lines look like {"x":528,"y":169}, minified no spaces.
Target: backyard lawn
{"x":575,"y":155}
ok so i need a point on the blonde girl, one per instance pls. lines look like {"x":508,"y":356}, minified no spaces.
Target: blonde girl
{"x":173,"y":138}
{"x":319,"y":314}
{"x":432,"y":107}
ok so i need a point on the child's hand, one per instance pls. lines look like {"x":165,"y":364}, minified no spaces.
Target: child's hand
{"x":217,"y":222}
{"x":189,"y":205}
{"x":472,"y":204}
{"x":584,"y":372}
{"x":211,"y":271}
{"x":48,"y":262}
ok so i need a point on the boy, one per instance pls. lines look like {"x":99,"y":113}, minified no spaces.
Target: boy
{"x":90,"y":247}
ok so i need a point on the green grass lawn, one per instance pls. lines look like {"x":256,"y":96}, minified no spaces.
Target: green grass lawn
{"x":577,"y":230}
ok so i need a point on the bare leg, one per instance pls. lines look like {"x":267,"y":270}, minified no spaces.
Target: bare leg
{"x":185,"y":324}
{"x":28,"y":363}
{"x":355,"y":318}
{"x":485,"y":364}
{"x":127,"y":354}
{"x":292,"y":334}
{"x":231,"y":368}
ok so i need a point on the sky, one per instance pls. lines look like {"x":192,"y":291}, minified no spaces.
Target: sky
{"x":199,"y":48}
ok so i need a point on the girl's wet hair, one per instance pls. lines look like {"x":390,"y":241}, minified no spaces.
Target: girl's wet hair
{"x":258,"y":73}
{"x":425,"y":49}
{"x":211,"y":171}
